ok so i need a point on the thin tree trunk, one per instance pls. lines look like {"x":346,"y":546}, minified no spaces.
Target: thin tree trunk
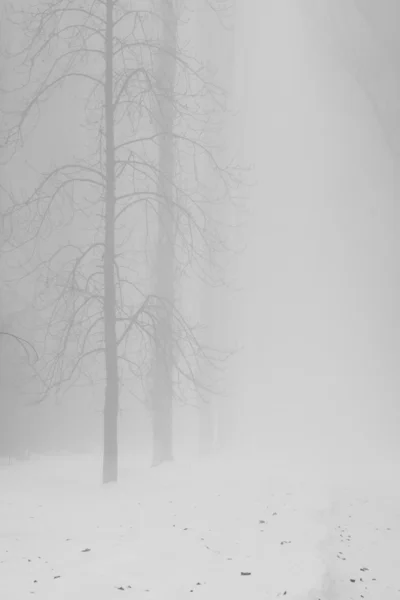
{"x":110,"y":458}
{"x":164,"y":268}
{"x":206,"y":428}
{"x":215,"y":47}
{"x":205,"y":42}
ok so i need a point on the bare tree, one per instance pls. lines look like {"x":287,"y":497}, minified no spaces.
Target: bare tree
{"x":84,"y":286}
{"x":83,"y":231}
{"x":215,"y":46}
{"x":186,"y":233}
{"x":162,"y":392}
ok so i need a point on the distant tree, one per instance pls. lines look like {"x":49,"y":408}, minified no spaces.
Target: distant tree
{"x":215,"y":35}
{"x":17,"y":366}
{"x":196,"y":182}
{"x":164,"y":113}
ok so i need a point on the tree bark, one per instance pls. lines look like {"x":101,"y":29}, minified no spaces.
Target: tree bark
{"x":110,"y":457}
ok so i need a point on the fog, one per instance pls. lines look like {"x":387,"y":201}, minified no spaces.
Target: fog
{"x":199,"y":299}
{"x":311,"y":306}
{"x":321,"y":267}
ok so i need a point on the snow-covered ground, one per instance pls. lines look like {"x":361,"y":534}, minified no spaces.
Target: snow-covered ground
{"x":362,"y":549}
{"x":214,"y":530}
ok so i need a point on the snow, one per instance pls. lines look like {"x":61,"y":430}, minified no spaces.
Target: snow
{"x":192,"y":530}
{"x":363,"y":545}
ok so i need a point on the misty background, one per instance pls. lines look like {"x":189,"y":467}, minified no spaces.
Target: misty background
{"x":309,"y":305}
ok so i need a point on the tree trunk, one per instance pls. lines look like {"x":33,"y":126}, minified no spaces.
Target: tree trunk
{"x":215,"y":48}
{"x":162,"y":397}
{"x":206,"y":428}
{"x":110,"y":458}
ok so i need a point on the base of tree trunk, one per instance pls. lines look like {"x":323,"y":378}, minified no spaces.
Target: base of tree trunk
{"x":110,"y":439}
{"x":162,"y":434}
{"x":159,"y":461}
{"x":206,"y":429}
{"x":110,"y":469}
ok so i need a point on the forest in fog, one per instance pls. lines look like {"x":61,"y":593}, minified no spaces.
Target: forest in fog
{"x":199,"y":229}
{"x":120,"y":191}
